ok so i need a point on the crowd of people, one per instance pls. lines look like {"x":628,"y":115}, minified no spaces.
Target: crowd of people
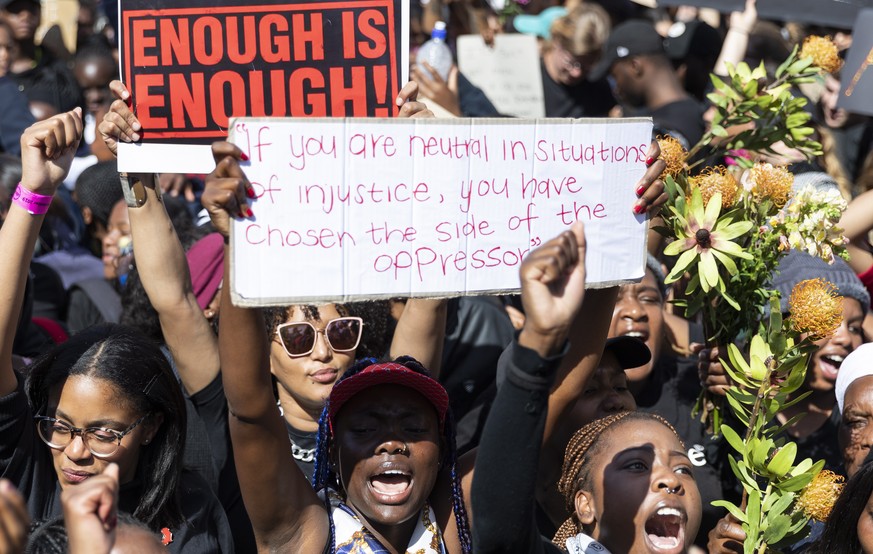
{"x":139,"y":407}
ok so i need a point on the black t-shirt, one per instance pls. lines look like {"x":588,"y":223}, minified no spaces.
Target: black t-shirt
{"x":27,"y":462}
{"x":585,"y":99}
{"x":682,"y":119}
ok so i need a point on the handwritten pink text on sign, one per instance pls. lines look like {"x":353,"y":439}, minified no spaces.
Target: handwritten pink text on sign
{"x":368,"y":208}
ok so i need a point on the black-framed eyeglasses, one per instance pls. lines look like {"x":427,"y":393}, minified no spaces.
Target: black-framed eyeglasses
{"x":343,"y":334}
{"x":102,"y":442}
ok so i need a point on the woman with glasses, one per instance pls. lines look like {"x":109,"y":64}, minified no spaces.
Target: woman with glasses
{"x":105,"y":396}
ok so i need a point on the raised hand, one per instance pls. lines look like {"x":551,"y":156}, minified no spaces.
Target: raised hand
{"x":47,"y":149}
{"x":552,"y":290}
{"x":408,"y":102}
{"x":119,"y":124}
{"x":227,"y":187}
{"x":650,"y":189}
{"x":91,"y":513}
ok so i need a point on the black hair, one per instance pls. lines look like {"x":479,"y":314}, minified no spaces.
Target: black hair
{"x":98,"y":188}
{"x":376,"y":314}
{"x":136,"y":308}
{"x":323,"y":476}
{"x":50,"y":536}
{"x":841,"y":530}
{"x":139,"y":370}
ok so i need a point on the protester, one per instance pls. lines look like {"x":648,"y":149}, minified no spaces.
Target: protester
{"x":84,"y":404}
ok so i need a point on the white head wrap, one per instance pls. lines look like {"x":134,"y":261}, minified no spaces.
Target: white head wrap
{"x":856,"y":365}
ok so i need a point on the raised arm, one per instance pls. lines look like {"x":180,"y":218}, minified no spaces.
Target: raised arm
{"x":421,"y":333}
{"x":733,"y":50}
{"x":284,"y":510}
{"x":856,"y":222}
{"x":553,"y":288}
{"x":47,"y":149}
{"x":162,"y":266}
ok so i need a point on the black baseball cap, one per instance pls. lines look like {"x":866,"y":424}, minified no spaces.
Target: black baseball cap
{"x":629,"y":351}
{"x":631,"y":38}
{"x":4,"y":3}
{"x":692,"y":38}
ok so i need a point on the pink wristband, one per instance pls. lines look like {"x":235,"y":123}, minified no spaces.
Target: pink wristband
{"x":35,"y":204}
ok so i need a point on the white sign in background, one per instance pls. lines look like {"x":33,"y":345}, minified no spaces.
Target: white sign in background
{"x":375,"y":208}
{"x":507,"y":72}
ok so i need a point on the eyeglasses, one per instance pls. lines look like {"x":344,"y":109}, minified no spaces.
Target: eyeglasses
{"x":100,"y":441}
{"x":343,"y":334}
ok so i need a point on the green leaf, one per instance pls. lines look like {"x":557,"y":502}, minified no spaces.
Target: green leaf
{"x":733,"y":439}
{"x":682,"y":264}
{"x":718,"y":131}
{"x":753,"y":511}
{"x":730,"y":507}
{"x":708,"y":270}
{"x":777,"y":529}
{"x":783,"y":460}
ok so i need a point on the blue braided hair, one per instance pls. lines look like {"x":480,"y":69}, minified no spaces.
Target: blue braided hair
{"x":324,"y":477}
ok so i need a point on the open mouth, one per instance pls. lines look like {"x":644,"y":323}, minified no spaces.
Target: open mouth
{"x":641,"y":335}
{"x":665,"y":530}
{"x":391,"y":486}
{"x":830,"y":365}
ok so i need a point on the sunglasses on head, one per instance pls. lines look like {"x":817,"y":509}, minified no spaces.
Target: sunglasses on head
{"x":342,"y":334}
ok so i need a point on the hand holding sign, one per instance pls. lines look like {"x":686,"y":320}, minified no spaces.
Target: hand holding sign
{"x":119,"y":124}
{"x":227,"y":187}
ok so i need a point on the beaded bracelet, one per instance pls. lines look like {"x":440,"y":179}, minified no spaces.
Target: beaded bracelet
{"x":35,"y":204}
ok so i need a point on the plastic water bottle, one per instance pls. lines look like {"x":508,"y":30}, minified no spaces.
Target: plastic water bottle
{"x":435,"y":52}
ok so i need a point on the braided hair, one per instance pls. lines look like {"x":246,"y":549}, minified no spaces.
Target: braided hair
{"x":323,"y":476}
{"x":584,"y":445}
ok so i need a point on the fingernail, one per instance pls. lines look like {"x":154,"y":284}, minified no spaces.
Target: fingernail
{"x":638,"y":209}
{"x":641,"y":189}
{"x":5,"y":486}
{"x":650,"y":160}
{"x":243,"y":157}
{"x":249,"y":212}
{"x":399,"y":101}
{"x":250,"y":193}
{"x":135,"y":137}
{"x":136,"y":126}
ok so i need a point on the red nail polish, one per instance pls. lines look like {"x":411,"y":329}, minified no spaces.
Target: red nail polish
{"x":641,"y":189}
{"x":639,"y":209}
{"x":650,"y":160}
{"x":250,"y":193}
{"x":249,"y":212}
{"x":243,"y":157}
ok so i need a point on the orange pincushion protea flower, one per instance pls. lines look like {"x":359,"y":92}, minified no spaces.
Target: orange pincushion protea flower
{"x":673,"y":155}
{"x":815,"y":307}
{"x":817,"y":499}
{"x":717,"y":180}
{"x":823,"y":52}
{"x":771,"y":181}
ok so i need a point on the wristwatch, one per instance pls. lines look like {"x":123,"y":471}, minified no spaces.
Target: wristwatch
{"x":134,"y":185}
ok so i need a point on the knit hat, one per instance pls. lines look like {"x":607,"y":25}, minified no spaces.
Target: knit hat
{"x":799,"y":266}
{"x":653,"y":265}
{"x":99,"y":189}
{"x":206,"y":264}
{"x":856,"y":365}
{"x":390,"y":373}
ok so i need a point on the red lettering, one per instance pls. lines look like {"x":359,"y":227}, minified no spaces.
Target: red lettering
{"x":313,"y":100}
{"x":341,"y":93}
{"x":249,"y":36}
{"x":214,"y":41}
{"x":175,"y":41}
{"x":187,"y":100}
{"x":141,"y":42}
{"x":275,"y":46}
{"x":378,"y":44}
{"x":312,"y":36}
{"x":217,"y":94}
{"x":145,"y":101}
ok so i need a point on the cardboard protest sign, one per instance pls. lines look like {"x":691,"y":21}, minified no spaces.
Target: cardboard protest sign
{"x":856,"y":78}
{"x":835,"y":13}
{"x":191,"y":65}
{"x":507,"y":72}
{"x":379,"y":208}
